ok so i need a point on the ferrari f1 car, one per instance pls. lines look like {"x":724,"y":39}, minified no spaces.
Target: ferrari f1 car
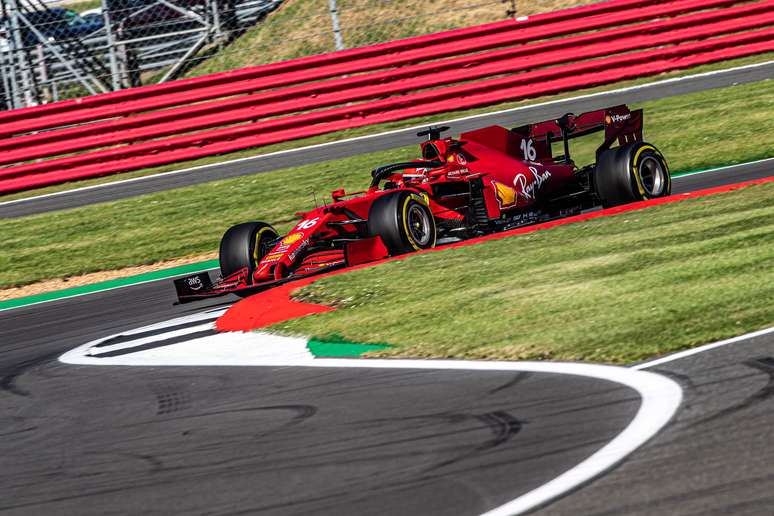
{"x":487,"y":180}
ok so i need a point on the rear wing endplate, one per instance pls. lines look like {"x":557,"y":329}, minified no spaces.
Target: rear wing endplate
{"x":618,"y":122}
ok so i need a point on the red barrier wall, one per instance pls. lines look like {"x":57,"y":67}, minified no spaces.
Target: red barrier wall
{"x":157,"y":97}
{"x":400,"y":81}
{"x":308,"y":63}
{"x":695,"y":34}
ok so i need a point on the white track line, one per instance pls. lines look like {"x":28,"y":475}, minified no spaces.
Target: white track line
{"x":702,"y":349}
{"x":661,"y":396}
{"x":718,"y":169}
{"x":515,"y":110}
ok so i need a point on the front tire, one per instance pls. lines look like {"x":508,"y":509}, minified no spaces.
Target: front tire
{"x":244,"y":245}
{"x":403,"y":221}
{"x":632,"y":172}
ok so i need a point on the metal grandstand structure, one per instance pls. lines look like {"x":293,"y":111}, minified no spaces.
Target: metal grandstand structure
{"x":50,"y":52}
{"x":54,"y":50}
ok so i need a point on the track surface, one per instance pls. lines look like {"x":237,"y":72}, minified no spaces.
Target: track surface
{"x":715,"y":458}
{"x":94,"y":440}
{"x":394,"y":139}
{"x":79,"y":439}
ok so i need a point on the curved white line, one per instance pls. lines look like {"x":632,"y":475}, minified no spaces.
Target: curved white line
{"x":661,"y":396}
{"x":702,"y":349}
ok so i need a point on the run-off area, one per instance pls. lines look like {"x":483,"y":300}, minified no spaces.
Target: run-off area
{"x":295,"y":440}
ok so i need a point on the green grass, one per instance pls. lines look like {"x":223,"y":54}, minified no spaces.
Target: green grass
{"x":360,"y":131}
{"x":707,"y":129}
{"x":735,"y":125}
{"x":174,"y":223}
{"x":80,"y":6}
{"x":617,"y":289}
{"x":303,"y":27}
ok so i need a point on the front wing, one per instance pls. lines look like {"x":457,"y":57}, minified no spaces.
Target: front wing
{"x":200,"y":286}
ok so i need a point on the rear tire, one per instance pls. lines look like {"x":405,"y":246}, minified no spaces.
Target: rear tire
{"x":632,"y":172}
{"x":244,"y":245}
{"x":403,"y":221}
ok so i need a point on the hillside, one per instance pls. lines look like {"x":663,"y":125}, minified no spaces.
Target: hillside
{"x":303,"y":27}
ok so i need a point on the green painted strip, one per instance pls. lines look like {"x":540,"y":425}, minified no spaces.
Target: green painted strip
{"x":108,"y":285}
{"x":322,"y":349}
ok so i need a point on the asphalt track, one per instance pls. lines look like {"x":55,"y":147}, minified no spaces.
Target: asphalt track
{"x":716,"y":456}
{"x":388,"y":140}
{"x":101,"y":440}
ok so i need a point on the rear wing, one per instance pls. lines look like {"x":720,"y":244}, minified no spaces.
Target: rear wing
{"x":618,"y":123}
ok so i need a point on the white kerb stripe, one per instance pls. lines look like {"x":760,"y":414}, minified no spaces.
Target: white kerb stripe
{"x":702,"y":349}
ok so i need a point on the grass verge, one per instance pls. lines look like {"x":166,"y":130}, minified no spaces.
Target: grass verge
{"x":617,"y":289}
{"x":80,"y":6}
{"x":302,"y":28}
{"x":694,"y":131}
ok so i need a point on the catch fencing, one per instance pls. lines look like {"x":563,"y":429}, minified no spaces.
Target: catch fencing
{"x":51,"y":50}
{"x":461,"y":69}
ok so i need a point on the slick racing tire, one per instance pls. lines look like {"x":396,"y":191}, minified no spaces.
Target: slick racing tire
{"x":403,"y":221}
{"x":244,"y":245}
{"x":632,"y":172}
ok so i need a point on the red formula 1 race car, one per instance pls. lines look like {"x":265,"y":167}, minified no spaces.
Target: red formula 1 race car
{"x":488,"y":180}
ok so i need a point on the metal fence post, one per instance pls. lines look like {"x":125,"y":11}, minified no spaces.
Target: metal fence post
{"x":13,"y":96}
{"x":22,"y":96}
{"x":115,"y":75}
{"x":43,"y":73}
{"x":213,"y":9}
{"x":5,"y":82}
{"x":336,"y":28}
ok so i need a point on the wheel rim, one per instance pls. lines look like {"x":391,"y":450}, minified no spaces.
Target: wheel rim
{"x":418,"y":223}
{"x":262,"y":247}
{"x":653,"y":176}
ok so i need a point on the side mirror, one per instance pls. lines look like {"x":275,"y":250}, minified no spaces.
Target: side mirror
{"x":433,"y":133}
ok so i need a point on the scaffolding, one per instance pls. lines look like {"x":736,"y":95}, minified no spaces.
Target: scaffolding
{"x":50,"y":53}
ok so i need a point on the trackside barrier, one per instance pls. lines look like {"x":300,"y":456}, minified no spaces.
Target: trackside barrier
{"x":314,"y":96}
{"x":200,"y":92}
{"x":310,"y":62}
{"x":693,"y":35}
{"x":196,"y":150}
